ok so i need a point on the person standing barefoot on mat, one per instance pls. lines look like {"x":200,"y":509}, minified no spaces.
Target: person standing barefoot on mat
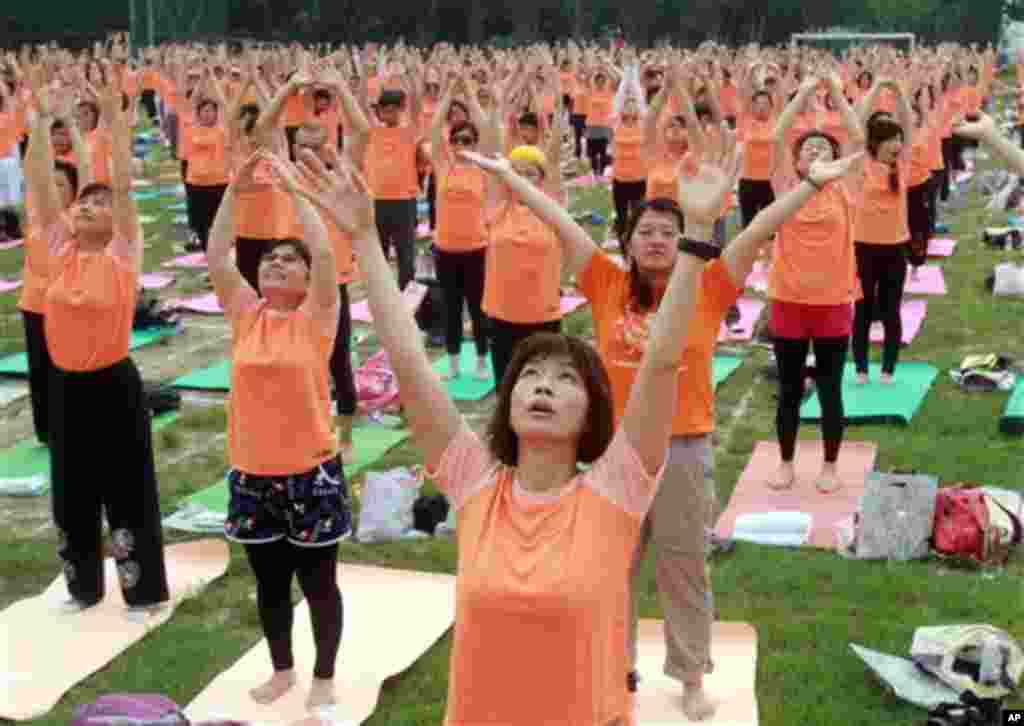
{"x":289,"y":500}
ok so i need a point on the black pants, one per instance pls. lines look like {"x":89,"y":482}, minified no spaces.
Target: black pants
{"x":432,"y":201}
{"x":920,"y":215}
{"x":882,"y":270}
{"x":753,"y":197}
{"x":597,"y":152}
{"x":123,"y":485}
{"x":40,"y":369}
{"x":341,"y":359}
{"x":829,"y":361}
{"x":461,"y":276}
{"x":275,"y":564}
{"x":204,"y":203}
{"x":933,"y":208}
{"x":504,"y":337}
{"x":396,"y":225}
{"x":23,"y":147}
{"x":289,"y":134}
{"x":625,"y":195}
{"x":248,"y":253}
{"x":579,"y":125}
{"x":148,"y":98}
{"x":947,"y":167}
{"x":189,"y":207}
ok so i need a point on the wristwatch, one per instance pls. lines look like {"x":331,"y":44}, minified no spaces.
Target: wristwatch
{"x":703,"y":250}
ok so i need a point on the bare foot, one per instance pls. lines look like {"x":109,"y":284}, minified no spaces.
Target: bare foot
{"x":696,"y":704}
{"x":142,"y":613}
{"x":784,"y":478}
{"x":862,"y":379}
{"x":278,"y":685}
{"x":321,"y":693}
{"x":828,"y":480}
{"x":886,"y":378}
{"x":453,"y":369}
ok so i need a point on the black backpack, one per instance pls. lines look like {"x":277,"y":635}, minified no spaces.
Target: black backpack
{"x":147,"y":316}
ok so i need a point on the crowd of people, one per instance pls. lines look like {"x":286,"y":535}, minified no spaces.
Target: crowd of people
{"x":302,"y":169}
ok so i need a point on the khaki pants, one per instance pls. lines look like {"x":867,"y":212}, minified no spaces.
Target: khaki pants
{"x":678,"y":524}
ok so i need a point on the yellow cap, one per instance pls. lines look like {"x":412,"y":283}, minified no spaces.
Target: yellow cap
{"x":529,"y":153}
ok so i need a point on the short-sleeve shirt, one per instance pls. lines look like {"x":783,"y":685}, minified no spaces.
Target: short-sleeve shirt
{"x":882,"y":213}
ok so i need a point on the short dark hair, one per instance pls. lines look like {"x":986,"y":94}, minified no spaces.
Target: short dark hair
{"x":529,"y":119}
{"x":206,"y":102}
{"x":296,"y":244}
{"x":815,"y":133}
{"x":90,"y":190}
{"x":249,"y":114}
{"x":70,"y":171}
{"x":600,"y":419}
{"x":766,"y":94}
{"x":464,"y":126}
{"x":391,"y":97}
{"x":322,"y":94}
{"x":457,"y":104}
{"x":640,"y":290}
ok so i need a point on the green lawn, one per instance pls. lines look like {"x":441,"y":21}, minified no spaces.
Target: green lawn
{"x":807,"y":606}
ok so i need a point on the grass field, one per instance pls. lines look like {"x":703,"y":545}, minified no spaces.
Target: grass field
{"x":806,"y":605}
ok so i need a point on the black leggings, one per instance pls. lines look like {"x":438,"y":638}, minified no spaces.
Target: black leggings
{"x":920,"y":215}
{"x":396,"y":225}
{"x":882,"y":270}
{"x":461,"y":276}
{"x":829,"y":361}
{"x":504,"y":337}
{"x":40,"y":368}
{"x":579,"y":124}
{"x":274,"y":564}
{"x":204,"y":203}
{"x":189,"y":207}
{"x":148,"y":98}
{"x":124,"y":487}
{"x":753,"y":197}
{"x":947,"y":167}
{"x":341,"y":359}
{"x":597,"y":152}
{"x":626,"y":194}
{"x":432,"y":201}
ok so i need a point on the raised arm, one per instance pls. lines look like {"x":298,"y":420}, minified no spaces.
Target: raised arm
{"x":985,"y":131}
{"x":125,"y":218}
{"x":42,"y":198}
{"x":227,"y":280}
{"x":850,"y":120}
{"x":433,"y":418}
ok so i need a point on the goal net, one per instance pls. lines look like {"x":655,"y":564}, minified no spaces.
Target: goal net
{"x":839,"y":43}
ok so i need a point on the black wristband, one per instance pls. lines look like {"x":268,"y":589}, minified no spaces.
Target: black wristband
{"x":703,"y":250}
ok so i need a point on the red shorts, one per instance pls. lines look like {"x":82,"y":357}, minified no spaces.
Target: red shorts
{"x":799,"y":321}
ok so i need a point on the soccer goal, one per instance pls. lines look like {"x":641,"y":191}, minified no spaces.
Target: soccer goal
{"x":840,"y":42}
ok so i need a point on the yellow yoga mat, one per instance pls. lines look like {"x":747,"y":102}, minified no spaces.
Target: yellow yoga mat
{"x":48,"y":651}
{"x":391,"y":618}
{"x":659,"y":699}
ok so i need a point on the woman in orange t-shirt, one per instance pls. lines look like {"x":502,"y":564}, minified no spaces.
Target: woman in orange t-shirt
{"x":94,"y":260}
{"x":600,"y":108}
{"x":536,"y":536}
{"x":289,"y":501}
{"x":921,"y":183}
{"x":208,"y":169}
{"x":757,"y":129}
{"x":882,"y":232}
{"x":665,"y":150}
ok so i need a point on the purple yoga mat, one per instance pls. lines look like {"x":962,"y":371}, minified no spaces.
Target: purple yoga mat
{"x":912,"y":313}
{"x":582,"y":181}
{"x":207,"y":303}
{"x":929,"y":280}
{"x":750,"y":311}
{"x":11,"y":244}
{"x":9,"y":286}
{"x":941,"y":247}
{"x":156,"y":281}
{"x":571,"y":302}
{"x":197,"y":260}
{"x":423,"y":231}
{"x":758,"y":278}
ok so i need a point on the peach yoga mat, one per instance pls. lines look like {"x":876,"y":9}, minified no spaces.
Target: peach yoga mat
{"x":391,"y":618}
{"x":731,"y":686}
{"x":48,"y":651}
{"x":753,"y":496}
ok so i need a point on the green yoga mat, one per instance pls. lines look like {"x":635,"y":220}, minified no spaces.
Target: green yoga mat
{"x":1012,"y":421}
{"x":723,"y":366}
{"x":467,"y":387}
{"x":25,"y":468}
{"x":215,"y":378}
{"x":875,"y":402}
{"x":17,"y":364}
{"x":205,"y":510}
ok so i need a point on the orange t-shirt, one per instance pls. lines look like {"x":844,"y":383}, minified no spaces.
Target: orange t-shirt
{"x":568,"y":79}
{"x":36,"y":272}
{"x":208,"y":160}
{"x":391,"y":163}
{"x":330,"y":122}
{"x":882,"y":214}
{"x":813,"y":261}
{"x":263,"y":213}
{"x":461,"y":197}
{"x":100,"y":151}
{"x":622,"y":333}
{"x":832,"y":124}
{"x":344,"y":260}
{"x":186,"y":125}
{"x":428,"y":107}
{"x":627,"y":150}
{"x":952,"y":106}
{"x":935,"y":160}
{"x":296,"y":110}
{"x":921,"y":156}
{"x":663,"y":179}
{"x":523,"y":268}
{"x":758,"y":148}
{"x":90,"y":302}
{"x":10,"y":130}
{"x":150,"y":80}
{"x":970,"y":99}
{"x":729,"y":100}
{"x":279,"y":410}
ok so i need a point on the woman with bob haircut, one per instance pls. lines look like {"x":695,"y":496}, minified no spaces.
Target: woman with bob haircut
{"x":544,"y":550}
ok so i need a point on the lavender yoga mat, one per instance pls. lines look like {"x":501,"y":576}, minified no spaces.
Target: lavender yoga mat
{"x":929,"y":280}
{"x":156,"y":281}
{"x":207,"y":303}
{"x":570,"y":302}
{"x":750,"y":311}
{"x":912,"y":313}
{"x":941,"y":247}
{"x":11,"y":244}
{"x":9,"y":286}
{"x":758,"y":278}
{"x":197,"y":260}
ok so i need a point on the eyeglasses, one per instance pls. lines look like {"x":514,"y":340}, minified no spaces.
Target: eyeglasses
{"x":463,"y":141}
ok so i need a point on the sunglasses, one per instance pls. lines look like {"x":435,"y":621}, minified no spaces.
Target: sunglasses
{"x":463,"y":141}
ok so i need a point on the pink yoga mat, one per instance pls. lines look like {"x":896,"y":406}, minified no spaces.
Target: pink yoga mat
{"x":941,"y":247}
{"x":571,"y":302}
{"x":758,"y":278}
{"x":9,"y":286}
{"x":423,"y":231}
{"x":750,"y":311}
{"x":582,"y":181}
{"x":196,"y":260}
{"x":753,"y":496}
{"x":412,"y":295}
{"x":10,"y":245}
{"x":156,"y":281}
{"x":928,"y":281}
{"x":207,"y":303}
{"x":912,"y":314}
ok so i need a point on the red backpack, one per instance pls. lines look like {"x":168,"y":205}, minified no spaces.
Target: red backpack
{"x":973,"y":525}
